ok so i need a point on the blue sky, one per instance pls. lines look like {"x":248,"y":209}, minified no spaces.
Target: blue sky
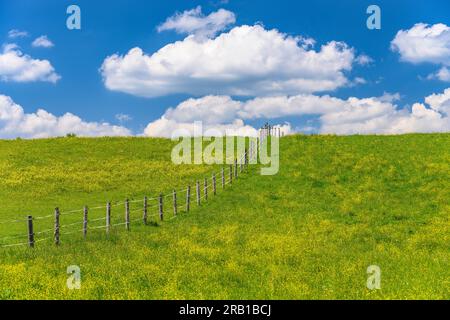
{"x":110,"y":27}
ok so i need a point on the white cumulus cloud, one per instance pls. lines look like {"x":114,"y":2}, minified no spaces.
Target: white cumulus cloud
{"x":442,"y":74}
{"x":218,"y":115}
{"x":167,"y":128}
{"x":18,"y":67}
{"x":195,"y":22}
{"x":246,"y":61}
{"x":375,"y":115}
{"x":42,"y":42}
{"x":372,"y":116}
{"x":424,"y":43}
{"x":14,"y":122}
{"x":440,"y":102}
{"x":209,"y":109}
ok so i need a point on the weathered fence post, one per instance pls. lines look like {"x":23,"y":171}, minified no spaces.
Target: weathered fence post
{"x":206,"y":189}
{"x":175,"y":211}
{"x":188,"y":199}
{"x":57,"y":226}
{"x":30,"y":232}
{"x":231,"y":174}
{"x":235,"y":168}
{"x":214,"y":184}
{"x":246,"y":158}
{"x":108,"y":217}
{"x":85,"y":221}
{"x":161,"y":213}
{"x":145,"y":210}
{"x":127,"y":215}
{"x":223,"y":177}
{"x":198,"y":192}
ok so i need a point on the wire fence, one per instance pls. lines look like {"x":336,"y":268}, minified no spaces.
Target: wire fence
{"x":173,"y":203}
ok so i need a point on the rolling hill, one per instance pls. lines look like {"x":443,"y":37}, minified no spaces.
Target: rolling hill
{"x":337,"y":206}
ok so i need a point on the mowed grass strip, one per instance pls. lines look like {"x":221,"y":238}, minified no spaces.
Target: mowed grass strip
{"x":337,"y":206}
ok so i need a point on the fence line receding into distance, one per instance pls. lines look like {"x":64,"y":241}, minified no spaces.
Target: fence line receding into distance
{"x":163,"y":203}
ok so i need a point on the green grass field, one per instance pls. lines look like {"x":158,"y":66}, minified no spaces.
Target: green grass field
{"x":337,"y":206}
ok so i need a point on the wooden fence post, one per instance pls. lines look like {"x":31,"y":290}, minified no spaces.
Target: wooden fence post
{"x":206,"y":189}
{"x":30,"y":232}
{"x":231,"y":174}
{"x":57,"y":226}
{"x":235,"y":168}
{"x":223,"y":178}
{"x":214,"y":184}
{"x":85,"y":221}
{"x":246,"y":158}
{"x":145,"y":210}
{"x":188,"y":199}
{"x":108,"y":217}
{"x":161,"y":213}
{"x":198,"y":192}
{"x":127,"y":215}
{"x":175,"y":211}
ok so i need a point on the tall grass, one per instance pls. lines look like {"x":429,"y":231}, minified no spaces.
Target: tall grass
{"x":337,"y":206}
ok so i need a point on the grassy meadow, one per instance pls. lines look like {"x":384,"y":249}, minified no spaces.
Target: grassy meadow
{"x":337,"y":206}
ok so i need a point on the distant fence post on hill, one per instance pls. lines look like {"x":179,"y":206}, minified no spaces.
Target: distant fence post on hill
{"x":57,"y":227}
{"x":175,"y":211}
{"x":161,"y":212}
{"x":127,"y":215}
{"x":85,"y":221}
{"x":145,"y":210}
{"x":198,"y":192}
{"x":188,"y":198}
{"x":30,"y":232}
{"x":108,"y":217}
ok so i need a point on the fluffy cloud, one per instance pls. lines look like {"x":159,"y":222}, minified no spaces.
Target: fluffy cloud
{"x":168,"y":128}
{"x":195,"y":22}
{"x":440,"y":102}
{"x":14,"y":33}
{"x":285,"y":106}
{"x":214,"y":115}
{"x":42,"y":42}
{"x":371,"y":116}
{"x":424,"y":43}
{"x":18,"y":67}
{"x":363,"y":60}
{"x":14,"y":122}
{"x":246,"y":61}
{"x":200,"y":116}
{"x":442,"y":74}
{"x":210,"y":109}
{"x":376,"y":115}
